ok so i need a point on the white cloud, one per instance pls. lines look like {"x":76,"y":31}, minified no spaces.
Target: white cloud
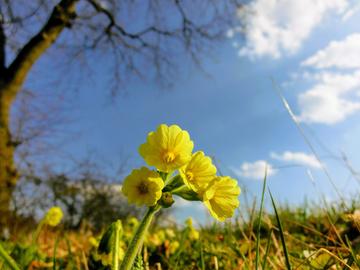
{"x":299,"y":158}
{"x":338,"y":54}
{"x":351,"y":12}
{"x":275,"y":27}
{"x":334,"y":95}
{"x":331,"y":100}
{"x":255,"y":170}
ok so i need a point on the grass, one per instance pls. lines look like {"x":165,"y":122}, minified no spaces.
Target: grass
{"x":283,"y":243}
{"x":300,"y":238}
{"x":259,"y":223}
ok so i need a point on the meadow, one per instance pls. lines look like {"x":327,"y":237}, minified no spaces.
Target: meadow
{"x":314,"y":237}
{"x":231,"y":64}
{"x":308,"y":237}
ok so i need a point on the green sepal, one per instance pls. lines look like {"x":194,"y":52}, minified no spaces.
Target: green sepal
{"x":174,"y":183}
{"x":163,"y":175}
{"x":188,"y":194}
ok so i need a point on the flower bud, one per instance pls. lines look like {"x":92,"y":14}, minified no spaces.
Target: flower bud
{"x":166,"y":200}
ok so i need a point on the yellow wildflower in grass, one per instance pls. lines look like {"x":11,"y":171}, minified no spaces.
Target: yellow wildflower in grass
{"x":170,"y":233}
{"x":106,"y":259}
{"x":199,"y":172}
{"x":189,"y":222}
{"x":193,"y":233}
{"x":168,"y":148}
{"x":93,"y":242}
{"x":133,"y":222}
{"x":221,"y":197}
{"x":155,"y":239}
{"x":174,"y":245}
{"x":54,"y":216}
{"x":143,"y":187}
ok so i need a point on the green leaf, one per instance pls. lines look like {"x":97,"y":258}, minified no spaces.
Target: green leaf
{"x":105,"y":245}
{"x":321,"y":261}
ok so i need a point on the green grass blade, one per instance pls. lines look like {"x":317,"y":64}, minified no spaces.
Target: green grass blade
{"x":7,"y":259}
{"x":55,"y":251}
{"x":183,"y":238}
{"x":287,"y":261}
{"x":70,"y":255}
{"x":202,"y":256}
{"x":306,"y":139}
{"x":259,"y":223}
{"x":352,"y":253}
{"x":267,"y":250}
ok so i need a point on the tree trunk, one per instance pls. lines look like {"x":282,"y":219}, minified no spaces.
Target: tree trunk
{"x":12,"y":79}
{"x":8,"y":173}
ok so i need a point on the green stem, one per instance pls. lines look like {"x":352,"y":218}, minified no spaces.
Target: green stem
{"x":115,"y":247}
{"x":37,"y":232}
{"x":55,"y":251}
{"x":138,"y":239}
{"x":168,"y":179}
{"x":179,"y":189}
{"x":7,"y":259}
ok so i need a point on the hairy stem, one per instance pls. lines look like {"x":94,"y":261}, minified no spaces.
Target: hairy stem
{"x":115,"y":247}
{"x":138,"y":239}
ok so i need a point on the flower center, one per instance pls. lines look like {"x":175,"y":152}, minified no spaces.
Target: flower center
{"x":142,"y":188}
{"x":189,"y":175}
{"x":169,"y":157}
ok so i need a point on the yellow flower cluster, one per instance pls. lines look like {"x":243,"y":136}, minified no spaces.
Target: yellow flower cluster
{"x":168,"y":149}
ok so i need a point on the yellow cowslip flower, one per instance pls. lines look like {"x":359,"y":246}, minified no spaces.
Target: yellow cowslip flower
{"x":143,"y":187}
{"x":155,"y":239}
{"x":167,"y":149}
{"x":170,"y":233}
{"x":106,"y":259}
{"x":189,"y":222}
{"x":133,"y":222}
{"x":174,"y":245}
{"x":53,"y":216}
{"x":194,"y":234}
{"x":221,"y":197}
{"x":199,"y":172}
{"x":93,"y":242}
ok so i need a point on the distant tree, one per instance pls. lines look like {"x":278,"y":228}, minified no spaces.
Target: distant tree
{"x":143,"y":37}
{"x":85,"y":195}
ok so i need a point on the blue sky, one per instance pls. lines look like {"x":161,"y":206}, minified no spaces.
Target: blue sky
{"x":310,"y":48}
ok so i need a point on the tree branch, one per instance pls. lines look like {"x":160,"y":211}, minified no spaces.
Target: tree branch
{"x":61,"y":17}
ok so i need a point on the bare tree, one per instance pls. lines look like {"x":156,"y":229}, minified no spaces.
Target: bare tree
{"x":137,"y":37}
{"x":85,"y":193}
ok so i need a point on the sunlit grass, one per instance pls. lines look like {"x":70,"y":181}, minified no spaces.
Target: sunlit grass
{"x":308,"y":238}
